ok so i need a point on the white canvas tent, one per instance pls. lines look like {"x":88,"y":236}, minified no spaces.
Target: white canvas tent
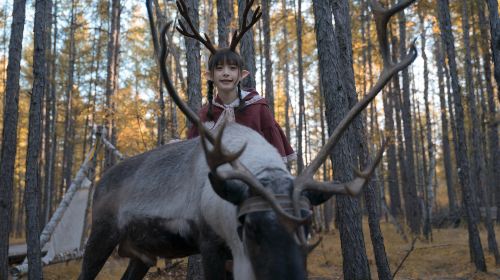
{"x":62,"y":236}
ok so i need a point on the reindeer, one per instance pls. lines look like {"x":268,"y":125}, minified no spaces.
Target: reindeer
{"x":227,"y":189}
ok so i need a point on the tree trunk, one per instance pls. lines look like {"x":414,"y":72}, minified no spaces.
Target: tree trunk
{"x":430,"y":145}
{"x":112,"y":79}
{"x":392,"y":176}
{"x":478,"y":166}
{"x":69,"y":114}
{"x":462,"y":160}
{"x":32,"y":188}
{"x":495,"y":42}
{"x":193,"y":59}
{"x":452,"y":197}
{"x":343,"y":31}
{"x":493,"y":142}
{"x":300,"y":69}
{"x":162,"y":118}
{"x":95,"y":82}
{"x":9,"y":132}
{"x":195,"y":269}
{"x":247,"y":49}
{"x":335,"y":93}
{"x":286,"y":72}
{"x":395,"y":99}
{"x":412,"y":207}
{"x":53,"y":136}
{"x":49,"y":124}
{"x":266,"y":24}
{"x":224,"y":15}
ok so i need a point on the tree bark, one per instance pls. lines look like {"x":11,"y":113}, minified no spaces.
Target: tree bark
{"x":112,"y":79}
{"x":335,"y":93}
{"x":495,"y":41}
{"x":413,"y":213}
{"x":447,"y":163}
{"x":49,"y":124}
{"x":284,"y":30}
{"x":478,"y":160}
{"x":493,"y":142}
{"x":247,"y":48}
{"x":266,"y":24}
{"x":195,"y":269}
{"x":162,"y":119}
{"x":389,"y":131}
{"x":224,"y":15}
{"x":193,"y":59}
{"x":67,"y":162}
{"x":395,"y":99}
{"x":343,"y":31}
{"x":300,"y":69}
{"x":32,"y":188}
{"x":9,"y":132}
{"x":53,"y":111}
{"x":430,"y":145}
{"x":462,"y":160}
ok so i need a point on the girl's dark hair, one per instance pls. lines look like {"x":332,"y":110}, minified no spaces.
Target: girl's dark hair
{"x":223,"y":56}
{"x":210,"y":97}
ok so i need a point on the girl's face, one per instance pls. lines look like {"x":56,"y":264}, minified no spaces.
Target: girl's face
{"x":226,"y":77}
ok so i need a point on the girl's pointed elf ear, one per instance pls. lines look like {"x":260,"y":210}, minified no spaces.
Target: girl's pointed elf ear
{"x":244,"y":74}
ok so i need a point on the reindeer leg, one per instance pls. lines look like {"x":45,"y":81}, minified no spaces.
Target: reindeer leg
{"x":214,"y":256}
{"x":102,"y":241}
{"x":136,"y":270}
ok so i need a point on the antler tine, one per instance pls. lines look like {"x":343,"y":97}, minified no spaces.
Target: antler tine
{"x":183,"y":10}
{"x":353,"y":187}
{"x":388,"y":71}
{"x":382,"y":17}
{"x":368,"y":171}
{"x":311,"y":247}
{"x":244,"y":27}
{"x":217,"y":157}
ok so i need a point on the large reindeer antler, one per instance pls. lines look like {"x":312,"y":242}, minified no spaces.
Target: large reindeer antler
{"x":245,"y":26}
{"x":183,"y":10}
{"x":305,"y":180}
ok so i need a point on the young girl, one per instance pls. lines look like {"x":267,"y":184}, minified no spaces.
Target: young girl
{"x":246,"y":107}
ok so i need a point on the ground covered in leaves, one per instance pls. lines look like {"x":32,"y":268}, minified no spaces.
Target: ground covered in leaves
{"x":446,"y":257}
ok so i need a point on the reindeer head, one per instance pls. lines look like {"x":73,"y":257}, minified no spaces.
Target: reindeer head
{"x":273,"y":211}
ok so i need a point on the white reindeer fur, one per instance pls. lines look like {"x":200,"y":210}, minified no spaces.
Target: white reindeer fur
{"x":185,"y":191}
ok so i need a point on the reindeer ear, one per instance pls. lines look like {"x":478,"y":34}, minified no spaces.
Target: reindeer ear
{"x":316,"y":198}
{"x":228,"y":190}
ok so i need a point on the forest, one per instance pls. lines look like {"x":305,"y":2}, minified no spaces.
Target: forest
{"x":82,"y":90}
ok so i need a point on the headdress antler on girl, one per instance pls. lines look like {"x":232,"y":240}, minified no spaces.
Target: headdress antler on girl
{"x":195,"y":34}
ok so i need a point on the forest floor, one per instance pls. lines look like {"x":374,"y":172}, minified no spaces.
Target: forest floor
{"x":446,"y":257}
